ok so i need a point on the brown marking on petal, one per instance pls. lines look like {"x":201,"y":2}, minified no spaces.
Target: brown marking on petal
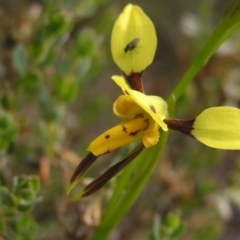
{"x":184,"y":126}
{"x":153,"y":108}
{"x":124,"y":129}
{"x":126,"y":92}
{"x":134,"y":133}
{"x":107,"y":136}
{"x":139,"y":115}
{"x":147,"y":124}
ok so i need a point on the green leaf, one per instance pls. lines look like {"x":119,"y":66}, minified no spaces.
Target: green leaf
{"x":155,"y":234}
{"x":48,"y":108}
{"x":48,"y":59}
{"x":2,"y":226}
{"x":26,"y":186}
{"x":83,"y":66}
{"x":25,"y":189}
{"x":26,"y":205}
{"x":25,"y":226}
{"x":7,"y":130}
{"x":6,"y":198}
{"x":19,"y":183}
{"x":35,"y":183}
{"x":85,"y":41}
{"x":57,"y":25}
{"x":66,"y":88}
{"x":20,"y":59}
{"x":36,"y":49}
{"x":7,"y":100}
{"x":172,"y":221}
{"x":31,"y":80}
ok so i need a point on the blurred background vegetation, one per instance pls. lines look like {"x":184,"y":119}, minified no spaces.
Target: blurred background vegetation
{"x":56,"y":96}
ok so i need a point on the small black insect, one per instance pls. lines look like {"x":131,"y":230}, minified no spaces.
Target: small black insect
{"x":131,"y":45}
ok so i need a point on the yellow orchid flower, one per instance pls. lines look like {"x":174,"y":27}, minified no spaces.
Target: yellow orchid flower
{"x":216,"y":127}
{"x":143,"y":116}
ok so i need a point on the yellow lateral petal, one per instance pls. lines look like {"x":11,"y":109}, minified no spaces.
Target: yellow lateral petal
{"x":151,"y":137}
{"x":125,"y":107}
{"x":155,"y":106}
{"x":119,"y":136}
{"x":121,"y":82}
{"x":133,"y":24}
{"x":218,"y":127}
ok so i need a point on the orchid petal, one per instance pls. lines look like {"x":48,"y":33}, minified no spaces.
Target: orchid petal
{"x":133,"y":28}
{"x":155,"y":106}
{"x":125,"y":107}
{"x":151,"y":137}
{"x":120,"y":135}
{"x":218,"y":127}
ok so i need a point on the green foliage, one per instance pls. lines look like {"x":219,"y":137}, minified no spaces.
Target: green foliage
{"x":46,"y":62}
{"x":20,"y":59}
{"x":16,"y":204}
{"x":7,"y":130}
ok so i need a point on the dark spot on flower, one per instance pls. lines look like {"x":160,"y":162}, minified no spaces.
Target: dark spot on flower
{"x":139,"y":115}
{"x":147,"y":123}
{"x":124,"y":129}
{"x":134,"y":133}
{"x":107,"y":136}
{"x":152,"y":108}
{"x":126,"y":92}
